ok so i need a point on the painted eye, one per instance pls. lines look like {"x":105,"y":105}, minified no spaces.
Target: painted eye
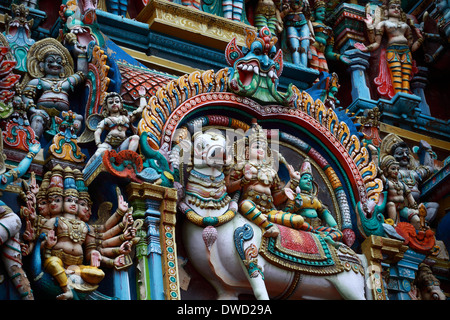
{"x":272,"y":55}
{"x":257,"y":51}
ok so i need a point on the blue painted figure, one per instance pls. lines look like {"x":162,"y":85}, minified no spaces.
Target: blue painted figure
{"x":299,"y":30}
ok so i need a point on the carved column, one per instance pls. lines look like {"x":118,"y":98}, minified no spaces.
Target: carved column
{"x":157,"y":258}
{"x":152,"y":223}
{"x":379,"y":250}
{"x":358,"y":66}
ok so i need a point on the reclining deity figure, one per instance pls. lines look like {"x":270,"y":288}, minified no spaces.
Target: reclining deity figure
{"x":51,"y":66}
{"x":304,"y":201}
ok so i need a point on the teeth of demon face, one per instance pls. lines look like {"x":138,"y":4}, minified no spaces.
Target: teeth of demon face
{"x":248,"y":68}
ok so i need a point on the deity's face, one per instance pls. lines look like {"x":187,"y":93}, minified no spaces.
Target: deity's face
{"x":306,"y":182}
{"x":394,"y":10}
{"x":56,"y":204}
{"x":43,"y":207}
{"x":392,"y":171}
{"x":53,"y":64}
{"x":258,"y":150}
{"x":84,"y":210}
{"x":401,"y":155}
{"x":320,"y":13}
{"x":71,"y":205}
{"x":113,"y":104}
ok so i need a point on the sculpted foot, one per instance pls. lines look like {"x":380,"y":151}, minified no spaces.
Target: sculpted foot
{"x":67,"y":295}
{"x":272,"y":232}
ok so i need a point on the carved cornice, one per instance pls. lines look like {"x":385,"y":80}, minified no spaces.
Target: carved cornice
{"x":191,"y":24}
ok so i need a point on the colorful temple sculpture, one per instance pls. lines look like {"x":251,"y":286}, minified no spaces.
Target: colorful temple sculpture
{"x":202,"y":150}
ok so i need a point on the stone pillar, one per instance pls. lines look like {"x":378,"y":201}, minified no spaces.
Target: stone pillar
{"x":157,"y":258}
{"x":358,"y":66}
{"x":152,"y":223}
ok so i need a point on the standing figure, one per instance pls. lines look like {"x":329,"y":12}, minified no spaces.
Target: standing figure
{"x":322,"y":48}
{"x":267,"y":14}
{"x":117,"y":121}
{"x":299,"y":30}
{"x":400,"y":44}
{"x":51,"y":66}
{"x":400,"y":202}
{"x":306,"y":203}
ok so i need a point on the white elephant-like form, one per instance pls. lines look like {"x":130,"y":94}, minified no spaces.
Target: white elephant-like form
{"x":225,"y":246}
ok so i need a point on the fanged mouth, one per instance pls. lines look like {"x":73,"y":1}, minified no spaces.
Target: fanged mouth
{"x":249,"y":68}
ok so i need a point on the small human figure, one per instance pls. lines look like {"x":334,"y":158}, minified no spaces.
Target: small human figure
{"x":322,"y":48}
{"x":304,"y":201}
{"x":117,"y":121}
{"x":299,"y":29}
{"x":400,"y":44}
{"x":400,"y":202}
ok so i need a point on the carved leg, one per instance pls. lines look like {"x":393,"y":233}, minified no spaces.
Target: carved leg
{"x":249,"y":210}
{"x":12,"y":259}
{"x":406,"y":71}
{"x":395,"y":69}
{"x":249,"y":258}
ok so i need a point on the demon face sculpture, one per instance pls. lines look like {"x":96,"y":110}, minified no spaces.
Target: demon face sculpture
{"x":257,"y":67}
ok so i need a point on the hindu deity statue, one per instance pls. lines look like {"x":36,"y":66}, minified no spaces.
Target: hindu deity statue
{"x":114,"y":233}
{"x":410,"y":174}
{"x":69,"y":241}
{"x":299,"y":30}
{"x":51,"y":67}
{"x":397,"y":55}
{"x":254,"y":175}
{"x":400,"y":202}
{"x":267,"y":14}
{"x":11,"y":224}
{"x":304,"y":201}
{"x":117,"y":121}
{"x":322,"y":48}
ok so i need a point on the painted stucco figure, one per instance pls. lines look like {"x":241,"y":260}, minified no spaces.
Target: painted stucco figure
{"x":117,"y":123}
{"x":322,"y":48}
{"x":256,"y":68}
{"x":304,"y":201}
{"x":51,"y":66}
{"x":397,"y":55}
{"x":299,"y":30}
{"x":11,"y":224}
{"x":226,"y":245}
